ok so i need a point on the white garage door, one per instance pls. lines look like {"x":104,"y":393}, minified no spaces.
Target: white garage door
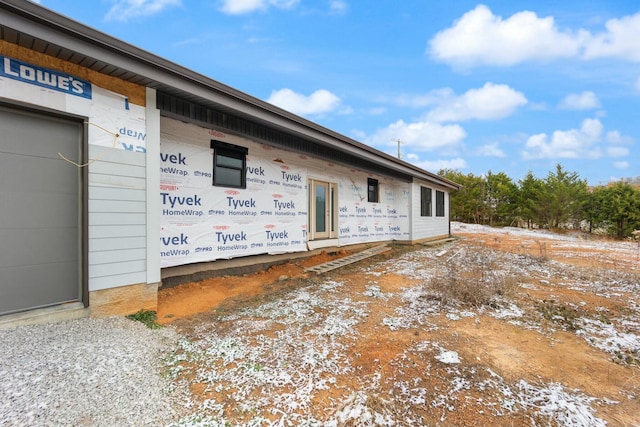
{"x":40,"y":211}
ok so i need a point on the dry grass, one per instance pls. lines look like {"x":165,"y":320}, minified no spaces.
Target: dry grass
{"x":473,"y":279}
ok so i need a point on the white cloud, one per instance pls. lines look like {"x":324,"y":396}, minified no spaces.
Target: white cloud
{"x":615,"y":137}
{"x":436,"y":165}
{"x":338,"y":7}
{"x":490,"y":102}
{"x":320,"y":101}
{"x":590,"y":141}
{"x":239,"y":7}
{"x":638,"y":84}
{"x":491,"y":150}
{"x":617,"y":151}
{"x":481,"y":38}
{"x":571,"y":144}
{"x":580,"y":101}
{"x":123,"y":10}
{"x":619,"y":41}
{"x":419,"y":136}
{"x":621,"y":165}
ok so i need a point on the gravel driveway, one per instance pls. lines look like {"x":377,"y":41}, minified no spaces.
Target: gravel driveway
{"x":87,"y":372}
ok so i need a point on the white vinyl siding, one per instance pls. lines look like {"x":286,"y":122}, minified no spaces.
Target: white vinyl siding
{"x":107,"y":281}
{"x":426,"y":227}
{"x":117,"y":218}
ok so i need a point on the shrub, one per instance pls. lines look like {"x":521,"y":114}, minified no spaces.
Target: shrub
{"x":473,"y":278}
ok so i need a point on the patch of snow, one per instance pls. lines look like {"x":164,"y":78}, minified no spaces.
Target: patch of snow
{"x":448,"y":356}
{"x":507,"y":312}
{"x":458,"y":227}
{"x":357,"y":410}
{"x":559,"y":406}
{"x":374,"y":291}
{"x":453,"y":316}
{"x":608,"y":338}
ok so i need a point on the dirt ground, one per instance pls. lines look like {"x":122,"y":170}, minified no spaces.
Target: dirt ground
{"x":496,"y":354}
{"x":199,"y":297}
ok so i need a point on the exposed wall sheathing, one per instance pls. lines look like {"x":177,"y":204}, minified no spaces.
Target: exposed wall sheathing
{"x":135,"y":93}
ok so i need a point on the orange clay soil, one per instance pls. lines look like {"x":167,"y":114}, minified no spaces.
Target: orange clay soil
{"x":198,"y":297}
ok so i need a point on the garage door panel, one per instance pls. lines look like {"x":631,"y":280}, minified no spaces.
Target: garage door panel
{"x":38,"y":175}
{"x":24,"y":247}
{"x":40,"y":215}
{"x":20,"y":210}
{"x":38,"y":286}
{"x":48,"y":137}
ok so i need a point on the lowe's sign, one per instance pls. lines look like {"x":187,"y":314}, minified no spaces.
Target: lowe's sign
{"x":44,"y":77}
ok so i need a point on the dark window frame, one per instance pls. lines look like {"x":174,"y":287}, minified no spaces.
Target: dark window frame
{"x":426,"y":201}
{"x":373,"y":195}
{"x":439,"y":203}
{"x":224,"y":151}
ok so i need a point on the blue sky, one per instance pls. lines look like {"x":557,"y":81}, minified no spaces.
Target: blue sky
{"x":502,"y":86}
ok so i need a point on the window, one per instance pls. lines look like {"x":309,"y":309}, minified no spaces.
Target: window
{"x":229,"y":165}
{"x":425,"y":201}
{"x":372,"y":190}
{"x":439,"y":203}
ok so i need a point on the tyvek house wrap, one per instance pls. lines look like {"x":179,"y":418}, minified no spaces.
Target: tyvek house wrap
{"x":201,"y":222}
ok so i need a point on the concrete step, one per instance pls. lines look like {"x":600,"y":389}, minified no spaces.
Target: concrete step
{"x":57,"y":313}
{"x":350,"y":259}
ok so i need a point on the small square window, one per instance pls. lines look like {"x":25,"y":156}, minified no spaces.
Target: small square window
{"x":229,"y":165}
{"x":373,"y":194}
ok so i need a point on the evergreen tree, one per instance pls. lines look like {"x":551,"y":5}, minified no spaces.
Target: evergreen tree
{"x":620,"y":206}
{"x":465,"y":204}
{"x":500,"y":198}
{"x":564,"y":197}
{"x":560,"y":200}
{"x":593,"y":209}
{"x":529,"y":200}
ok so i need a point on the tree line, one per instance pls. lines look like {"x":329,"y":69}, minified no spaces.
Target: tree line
{"x":561,"y":200}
